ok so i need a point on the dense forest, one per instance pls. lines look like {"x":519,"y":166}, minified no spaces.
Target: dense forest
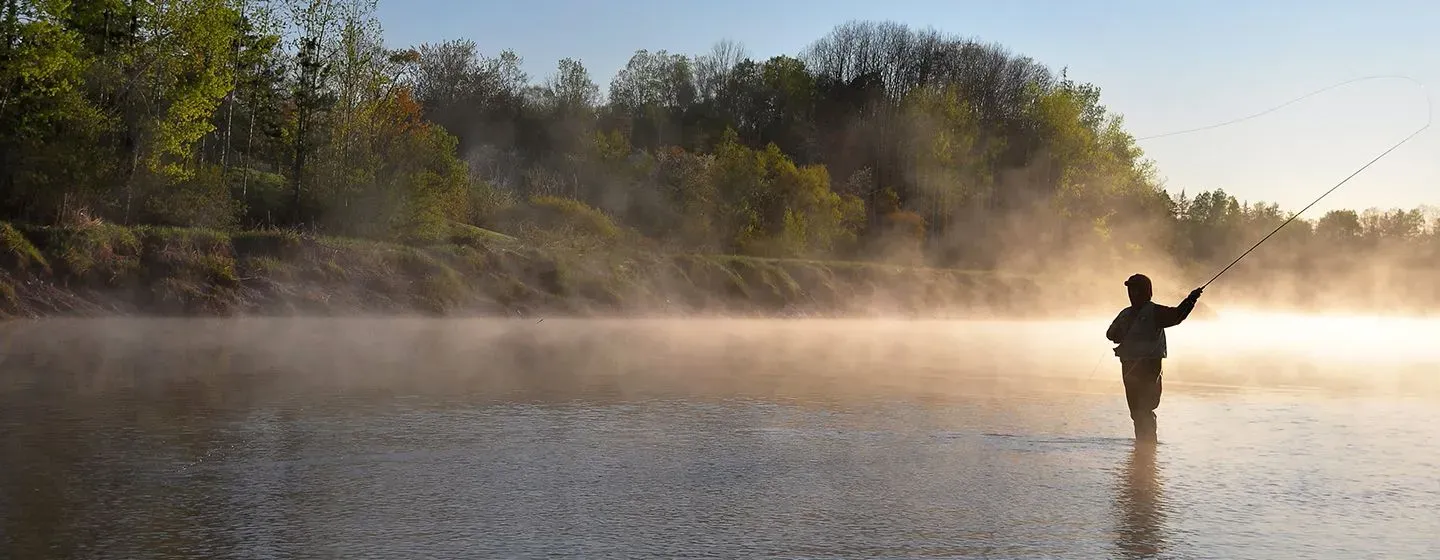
{"x":876,"y":142}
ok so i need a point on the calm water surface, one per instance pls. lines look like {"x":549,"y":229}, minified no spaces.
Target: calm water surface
{"x":1280,"y":438}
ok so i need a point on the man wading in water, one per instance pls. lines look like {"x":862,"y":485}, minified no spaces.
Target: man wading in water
{"x":1139,"y":330}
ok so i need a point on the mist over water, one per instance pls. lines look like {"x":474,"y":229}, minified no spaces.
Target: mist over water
{"x":1281,"y":436}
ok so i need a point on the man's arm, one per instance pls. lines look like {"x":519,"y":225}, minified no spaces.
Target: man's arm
{"x":1166,"y":316}
{"x":1118,"y":326}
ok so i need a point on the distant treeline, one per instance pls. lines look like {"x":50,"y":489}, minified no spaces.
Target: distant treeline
{"x":878,"y":141}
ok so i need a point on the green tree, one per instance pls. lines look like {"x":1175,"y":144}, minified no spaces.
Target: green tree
{"x":50,"y":126}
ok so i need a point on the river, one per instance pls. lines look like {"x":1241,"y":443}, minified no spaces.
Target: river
{"x":1280,"y":437}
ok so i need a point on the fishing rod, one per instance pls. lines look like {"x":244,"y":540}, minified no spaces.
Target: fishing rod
{"x":1429,"y":117}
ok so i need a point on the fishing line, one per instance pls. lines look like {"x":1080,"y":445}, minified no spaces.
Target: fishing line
{"x":1287,"y":104}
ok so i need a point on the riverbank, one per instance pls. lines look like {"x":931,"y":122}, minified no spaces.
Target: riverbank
{"x":105,"y":269}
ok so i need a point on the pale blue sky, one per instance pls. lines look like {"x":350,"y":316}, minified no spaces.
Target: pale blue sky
{"x":1165,"y":66}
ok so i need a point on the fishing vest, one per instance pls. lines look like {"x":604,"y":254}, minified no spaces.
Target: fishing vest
{"x":1145,"y":339}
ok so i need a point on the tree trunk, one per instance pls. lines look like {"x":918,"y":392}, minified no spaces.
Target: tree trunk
{"x":245,"y":163}
{"x":298,"y":168}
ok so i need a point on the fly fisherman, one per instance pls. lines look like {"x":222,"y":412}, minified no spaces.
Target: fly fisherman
{"x":1139,"y":330}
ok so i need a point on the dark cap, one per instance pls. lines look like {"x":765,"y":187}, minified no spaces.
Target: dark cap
{"x":1138,"y":288}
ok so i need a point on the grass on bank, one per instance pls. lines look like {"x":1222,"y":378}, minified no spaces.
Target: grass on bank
{"x":195,"y":271}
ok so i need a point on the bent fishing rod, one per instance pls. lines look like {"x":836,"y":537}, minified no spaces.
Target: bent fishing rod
{"x":1429,"y":117}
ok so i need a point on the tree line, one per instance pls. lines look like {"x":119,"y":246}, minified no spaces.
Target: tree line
{"x":876,"y":141}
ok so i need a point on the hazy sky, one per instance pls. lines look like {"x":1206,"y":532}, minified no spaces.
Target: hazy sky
{"x":1165,"y":66}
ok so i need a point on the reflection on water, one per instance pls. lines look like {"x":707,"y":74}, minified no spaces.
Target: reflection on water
{"x":621,"y":439}
{"x":1140,"y":517}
